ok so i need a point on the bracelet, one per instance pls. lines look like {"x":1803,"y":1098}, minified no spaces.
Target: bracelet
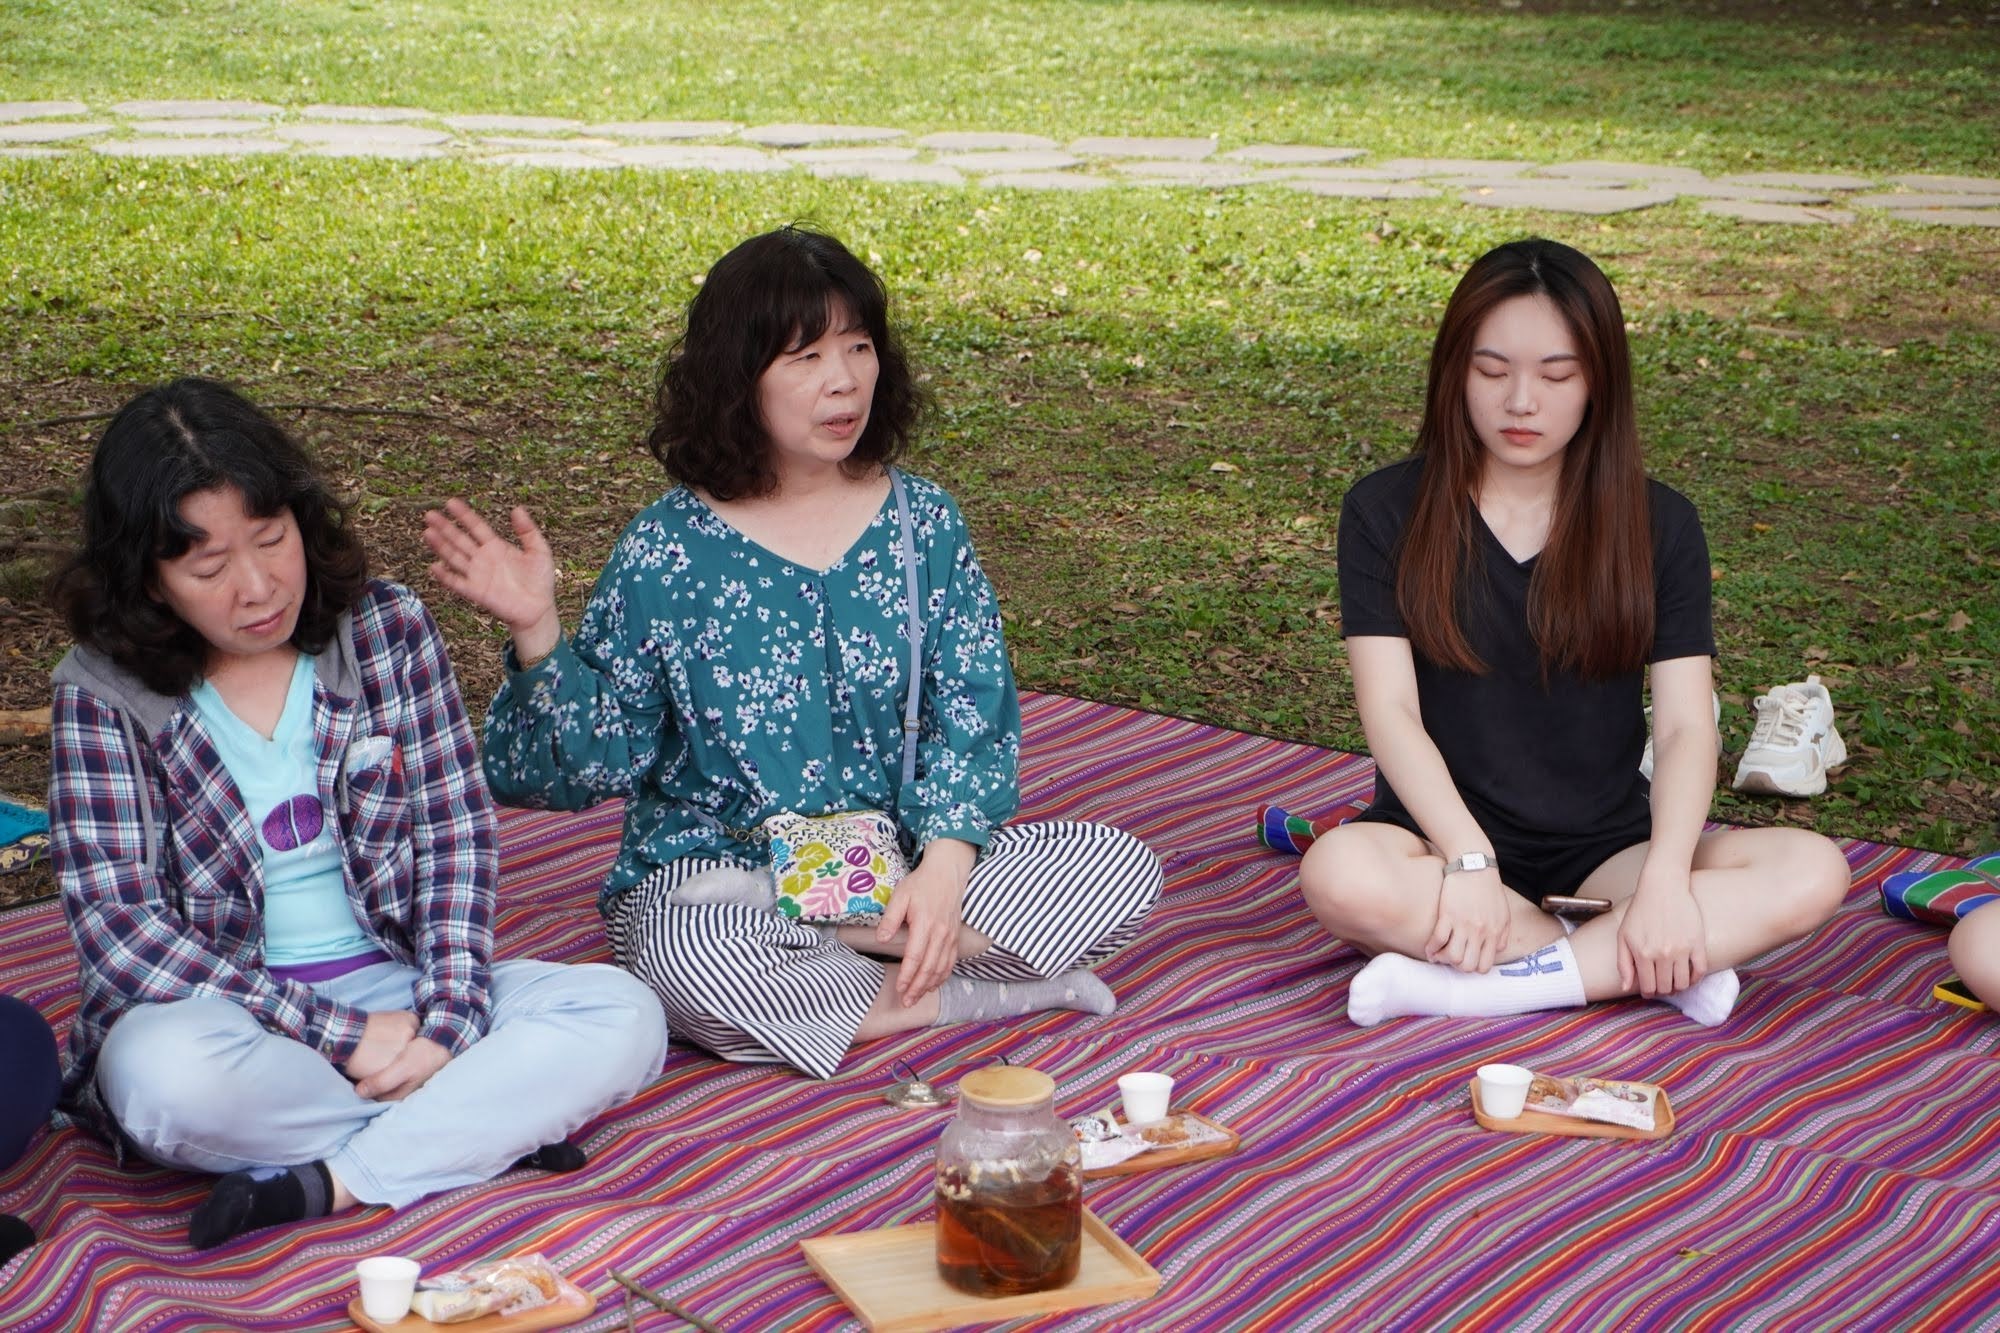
{"x":527,"y":665}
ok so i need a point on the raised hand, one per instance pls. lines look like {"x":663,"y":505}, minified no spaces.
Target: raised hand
{"x":515,"y":582}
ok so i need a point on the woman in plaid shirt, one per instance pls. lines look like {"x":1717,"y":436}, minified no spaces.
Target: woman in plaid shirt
{"x":277,"y":853}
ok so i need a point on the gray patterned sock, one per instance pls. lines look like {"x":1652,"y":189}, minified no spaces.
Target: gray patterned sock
{"x":963,"y":1000}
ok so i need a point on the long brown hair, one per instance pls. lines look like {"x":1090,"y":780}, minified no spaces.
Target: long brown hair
{"x":1590,"y":599}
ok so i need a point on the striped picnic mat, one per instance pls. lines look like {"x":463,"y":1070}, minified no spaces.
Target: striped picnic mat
{"x":1837,"y":1162}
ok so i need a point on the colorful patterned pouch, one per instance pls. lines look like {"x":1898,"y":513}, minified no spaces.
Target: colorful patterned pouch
{"x":1941,"y":897}
{"x":834,"y":868}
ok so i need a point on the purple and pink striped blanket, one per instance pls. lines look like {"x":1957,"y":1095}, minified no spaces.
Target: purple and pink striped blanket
{"x":1836,"y":1165}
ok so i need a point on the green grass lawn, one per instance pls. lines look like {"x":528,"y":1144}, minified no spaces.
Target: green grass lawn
{"x":1150,"y":402}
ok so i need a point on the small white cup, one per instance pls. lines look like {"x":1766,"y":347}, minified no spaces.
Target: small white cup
{"x":388,"y":1285}
{"x":1145,"y":1097}
{"x":1503,"y":1090}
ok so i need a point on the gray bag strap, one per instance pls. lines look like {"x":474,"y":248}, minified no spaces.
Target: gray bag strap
{"x":915,"y":691}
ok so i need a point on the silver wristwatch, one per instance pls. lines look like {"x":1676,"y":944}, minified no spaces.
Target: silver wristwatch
{"x":1471,"y":861}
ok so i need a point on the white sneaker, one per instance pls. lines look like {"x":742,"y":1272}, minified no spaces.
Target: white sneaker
{"x":1795,"y":743}
{"x":1646,"y":759}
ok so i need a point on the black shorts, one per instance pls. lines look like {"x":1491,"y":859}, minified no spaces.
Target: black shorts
{"x":1539,"y":868}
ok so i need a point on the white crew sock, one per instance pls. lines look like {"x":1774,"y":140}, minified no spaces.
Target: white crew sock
{"x":1392,"y":985}
{"x":1710,"y":1000}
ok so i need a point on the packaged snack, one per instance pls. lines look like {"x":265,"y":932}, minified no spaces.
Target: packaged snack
{"x":511,"y":1286}
{"x":1604,"y":1100}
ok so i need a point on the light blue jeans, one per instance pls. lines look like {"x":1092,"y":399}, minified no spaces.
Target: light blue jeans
{"x":200,"y":1084}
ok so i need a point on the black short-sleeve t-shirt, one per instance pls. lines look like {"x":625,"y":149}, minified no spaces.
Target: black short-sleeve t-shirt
{"x":1534,"y":762}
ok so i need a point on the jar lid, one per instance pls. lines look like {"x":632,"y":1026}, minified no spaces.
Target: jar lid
{"x":1004,"y":1086}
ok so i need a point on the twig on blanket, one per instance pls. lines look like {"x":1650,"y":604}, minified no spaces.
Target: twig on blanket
{"x":665,"y":1303}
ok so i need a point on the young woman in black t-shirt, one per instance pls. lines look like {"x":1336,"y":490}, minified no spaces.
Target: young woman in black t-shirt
{"x":1504,"y":594}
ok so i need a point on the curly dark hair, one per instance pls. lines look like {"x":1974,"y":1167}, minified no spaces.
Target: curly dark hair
{"x":168,"y":443}
{"x":772,"y":292}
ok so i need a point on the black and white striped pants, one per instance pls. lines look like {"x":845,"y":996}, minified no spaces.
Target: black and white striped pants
{"x":752,"y":985}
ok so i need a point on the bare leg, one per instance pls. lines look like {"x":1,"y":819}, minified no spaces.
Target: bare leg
{"x":889,"y":1015}
{"x":1757,"y":889}
{"x":1975,"y":953}
{"x":1376,"y":886}
{"x":862,"y":939}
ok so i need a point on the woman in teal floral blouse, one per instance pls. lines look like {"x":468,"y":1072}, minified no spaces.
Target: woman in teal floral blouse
{"x":746,"y":654}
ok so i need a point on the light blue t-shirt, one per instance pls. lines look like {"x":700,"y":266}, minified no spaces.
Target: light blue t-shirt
{"x":307,"y":918}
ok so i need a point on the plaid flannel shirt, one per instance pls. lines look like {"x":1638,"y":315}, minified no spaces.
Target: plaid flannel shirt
{"x":159,"y":866}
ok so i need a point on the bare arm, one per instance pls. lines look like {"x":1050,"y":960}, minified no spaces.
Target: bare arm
{"x":1473,"y":911}
{"x":1661,"y":942}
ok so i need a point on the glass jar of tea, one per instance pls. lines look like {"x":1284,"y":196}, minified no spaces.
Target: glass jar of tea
{"x":1009,"y":1187}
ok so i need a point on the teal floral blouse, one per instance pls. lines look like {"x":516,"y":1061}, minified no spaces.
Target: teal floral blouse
{"x":709,"y":674}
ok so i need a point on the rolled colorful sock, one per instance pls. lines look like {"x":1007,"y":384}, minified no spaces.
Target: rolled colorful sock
{"x":1392,"y":986}
{"x":261,"y":1197}
{"x":1710,"y":1000}
{"x":962,"y":1000}
{"x":559,"y":1156}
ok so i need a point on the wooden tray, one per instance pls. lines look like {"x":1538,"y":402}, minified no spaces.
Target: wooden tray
{"x":889,"y":1278}
{"x":549,"y":1316}
{"x":1541,"y":1122}
{"x":1165,"y":1157}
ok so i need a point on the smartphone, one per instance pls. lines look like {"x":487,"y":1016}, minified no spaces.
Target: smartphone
{"x":1564,"y":905}
{"x":1953,"y":991}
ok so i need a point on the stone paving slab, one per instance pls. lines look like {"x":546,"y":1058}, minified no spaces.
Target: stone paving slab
{"x":189,"y":147}
{"x":513,"y":124}
{"x":179,"y":110}
{"x":1555,"y":198}
{"x":696,"y":157}
{"x":1012,"y":159}
{"x":206,"y":126}
{"x":865,"y":153}
{"x":1617,"y":171}
{"x":1046,"y":180}
{"x":391,"y":152}
{"x":1950,"y":184}
{"x":1005,"y":159}
{"x":371,"y":114}
{"x":1119,"y":146}
{"x":1753,"y":194}
{"x":1406,"y":168}
{"x":363,"y":136}
{"x":1799,"y":180}
{"x":665,"y":129}
{"x":40,"y":110}
{"x":972,"y":141}
{"x":1364,"y":189}
{"x":555,"y":160}
{"x":567,"y":144}
{"x":1192,"y":173}
{"x":1907,"y":201}
{"x":1748,"y":210}
{"x":809,"y":136}
{"x":1291,"y":154}
{"x":1334,"y":174}
{"x":50,"y":132}
{"x":1953,"y":217}
{"x":916,"y":173}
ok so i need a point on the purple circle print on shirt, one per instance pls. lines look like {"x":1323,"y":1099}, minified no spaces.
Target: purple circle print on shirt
{"x":294,"y":823}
